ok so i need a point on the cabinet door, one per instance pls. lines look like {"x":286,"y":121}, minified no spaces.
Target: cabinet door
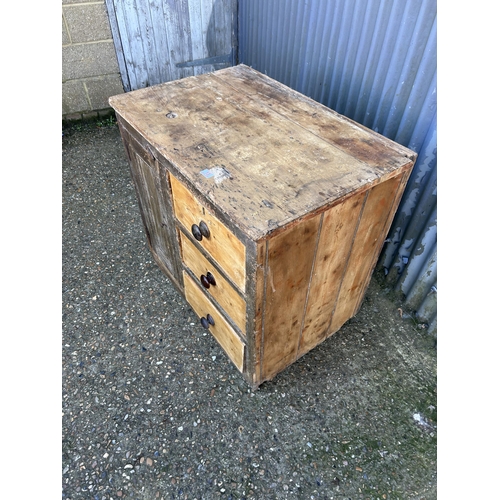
{"x":152,"y":189}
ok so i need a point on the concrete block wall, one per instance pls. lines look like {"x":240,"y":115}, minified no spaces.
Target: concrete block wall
{"x":90,"y":73}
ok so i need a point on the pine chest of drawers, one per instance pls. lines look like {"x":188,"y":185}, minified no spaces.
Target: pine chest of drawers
{"x":265,"y":209}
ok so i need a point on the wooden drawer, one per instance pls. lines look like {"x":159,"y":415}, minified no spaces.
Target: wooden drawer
{"x":225,"y":295}
{"x":222,"y":331}
{"x":222,"y":244}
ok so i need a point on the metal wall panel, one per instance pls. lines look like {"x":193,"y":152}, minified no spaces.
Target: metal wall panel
{"x":162,"y":40}
{"x":375,"y":62}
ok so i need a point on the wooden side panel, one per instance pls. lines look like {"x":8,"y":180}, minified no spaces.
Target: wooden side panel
{"x":227,"y":250}
{"x":222,"y":331}
{"x":157,"y":217}
{"x":289,"y":263}
{"x":367,"y":244}
{"x":335,"y":243}
{"x":225,"y":295}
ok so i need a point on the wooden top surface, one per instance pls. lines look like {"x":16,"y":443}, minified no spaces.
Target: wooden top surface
{"x":261,"y":152}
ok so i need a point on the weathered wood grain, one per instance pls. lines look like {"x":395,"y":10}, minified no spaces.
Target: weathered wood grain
{"x":368,"y":239}
{"x":336,"y":239}
{"x":289,"y":261}
{"x":403,"y":179}
{"x":222,"y":292}
{"x":279,"y":167}
{"x":222,"y":331}
{"x":154,"y":207}
{"x":377,"y":151}
{"x":256,"y":324}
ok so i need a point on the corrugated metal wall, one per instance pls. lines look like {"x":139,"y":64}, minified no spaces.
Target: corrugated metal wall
{"x":375,"y":62}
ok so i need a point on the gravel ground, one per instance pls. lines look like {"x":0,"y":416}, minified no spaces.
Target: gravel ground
{"x":153,"y":409}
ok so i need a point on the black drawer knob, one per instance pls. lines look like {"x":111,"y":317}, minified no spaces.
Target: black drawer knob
{"x":196,"y":232}
{"x":200,"y":230}
{"x":206,"y":322}
{"x":204,"y":229}
{"x":204,"y":281}
{"x":208,"y":280}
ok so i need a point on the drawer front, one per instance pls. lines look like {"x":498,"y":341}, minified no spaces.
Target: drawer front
{"x":222,"y":331}
{"x":222,"y":244}
{"x":226,"y":296}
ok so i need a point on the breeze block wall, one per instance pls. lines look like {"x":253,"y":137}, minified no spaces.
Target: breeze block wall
{"x":90,"y":72}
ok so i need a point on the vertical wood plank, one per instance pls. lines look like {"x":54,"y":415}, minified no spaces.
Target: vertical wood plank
{"x":145,"y":17}
{"x":288,"y":270}
{"x":124,"y":14}
{"x":115,"y":31}
{"x":198,"y":31}
{"x":222,"y":16}
{"x":161,"y":42}
{"x":178,"y":32}
{"x":208,"y":25}
{"x":335,"y":243}
{"x":368,"y":240}
{"x":130,"y":33}
{"x":257,"y":327}
{"x":403,"y":179}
